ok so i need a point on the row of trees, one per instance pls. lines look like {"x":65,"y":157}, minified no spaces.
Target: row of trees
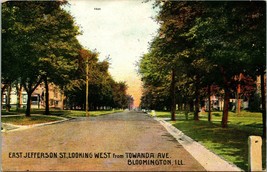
{"x":104,"y":92}
{"x":205,"y":48}
{"x":39,"y":44}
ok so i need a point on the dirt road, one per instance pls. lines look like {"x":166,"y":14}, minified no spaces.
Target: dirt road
{"x":117,"y":142}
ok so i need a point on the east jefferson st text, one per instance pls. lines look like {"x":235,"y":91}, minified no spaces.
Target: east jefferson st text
{"x":59,"y":155}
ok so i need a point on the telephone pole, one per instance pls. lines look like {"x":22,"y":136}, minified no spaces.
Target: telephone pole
{"x":87,"y":86}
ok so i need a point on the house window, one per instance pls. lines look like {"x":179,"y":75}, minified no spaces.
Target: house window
{"x":55,"y":93}
{"x":24,"y":98}
{"x":51,"y":102}
{"x":4,"y":98}
{"x":34,"y":100}
{"x":56,"y":103}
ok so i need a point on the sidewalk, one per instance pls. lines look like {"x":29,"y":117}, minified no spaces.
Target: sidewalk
{"x":209,"y":160}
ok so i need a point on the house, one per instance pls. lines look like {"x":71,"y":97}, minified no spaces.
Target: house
{"x":217,"y":103}
{"x":56,"y":97}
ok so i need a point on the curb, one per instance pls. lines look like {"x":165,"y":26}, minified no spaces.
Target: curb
{"x":208,"y":159}
{"x":24,"y":127}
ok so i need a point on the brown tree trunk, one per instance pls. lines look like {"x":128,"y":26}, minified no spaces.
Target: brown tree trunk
{"x":226,"y":99}
{"x":238,"y":104}
{"x":46,"y":96}
{"x":263,"y":103}
{"x":191,"y":106}
{"x":3,"y":88}
{"x":209,"y":94}
{"x":196,"y":117}
{"x":180,"y":106}
{"x":187,"y":109}
{"x":238,"y":91}
{"x":28,"y":108}
{"x":225,"y":107}
{"x":8,"y":106}
{"x":18,"y":87}
{"x":29,"y":89}
{"x":172,"y":92}
{"x":62,"y":99}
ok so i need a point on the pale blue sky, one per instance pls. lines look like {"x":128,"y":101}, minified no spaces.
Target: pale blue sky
{"x":120,"y":29}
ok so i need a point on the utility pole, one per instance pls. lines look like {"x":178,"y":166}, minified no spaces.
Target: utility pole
{"x":87,"y":86}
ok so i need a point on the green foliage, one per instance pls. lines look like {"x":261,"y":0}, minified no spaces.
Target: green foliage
{"x":40,"y":44}
{"x":38,"y":118}
{"x":156,"y":81}
{"x":230,"y":143}
{"x":119,"y":95}
{"x":103,"y":90}
{"x":216,"y":114}
{"x":22,"y":120}
{"x":91,"y":113}
{"x":206,"y":44}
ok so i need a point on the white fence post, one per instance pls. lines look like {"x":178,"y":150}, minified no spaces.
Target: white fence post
{"x":153,"y":113}
{"x":254,"y":153}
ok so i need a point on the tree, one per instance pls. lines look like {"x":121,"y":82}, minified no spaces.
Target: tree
{"x":104,"y":92}
{"x":174,"y":50}
{"x":10,"y":57}
{"x":58,"y":47}
{"x":226,"y":38}
{"x":130,"y":101}
{"x":75,"y":89}
{"x":156,"y":82}
{"x":215,"y":41}
{"x":119,"y":95}
{"x":42,"y":43}
{"x":18,"y":54}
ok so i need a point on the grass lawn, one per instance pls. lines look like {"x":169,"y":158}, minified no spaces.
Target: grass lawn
{"x":231,"y":143}
{"x":76,"y":113}
{"x":22,"y":120}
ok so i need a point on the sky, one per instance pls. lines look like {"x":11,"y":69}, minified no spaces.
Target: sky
{"x":120,"y":29}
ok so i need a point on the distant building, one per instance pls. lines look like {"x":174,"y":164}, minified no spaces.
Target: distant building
{"x":217,"y":103}
{"x":56,"y":97}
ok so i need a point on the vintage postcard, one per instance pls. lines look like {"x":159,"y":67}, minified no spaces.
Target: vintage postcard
{"x":133,"y":85}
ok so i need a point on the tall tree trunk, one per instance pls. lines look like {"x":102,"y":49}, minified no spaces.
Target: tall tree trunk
{"x":62,"y":99}
{"x":187,"y":109}
{"x":226,"y":99}
{"x":238,"y":91}
{"x":18,"y":87}
{"x":263,"y":103}
{"x":191,"y":106}
{"x":29,"y":89}
{"x":3,"y":88}
{"x":172,"y":92}
{"x":28,"y":108}
{"x":238,"y":101}
{"x":46,"y":96}
{"x":196,"y":117}
{"x":180,"y":106}
{"x":8,"y":106}
{"x":209,"y":103}
{"x":225,"y":107}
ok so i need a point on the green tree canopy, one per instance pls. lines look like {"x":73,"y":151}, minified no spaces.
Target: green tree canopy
{"x":40,"y":44}
{"x":206,"y":43}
